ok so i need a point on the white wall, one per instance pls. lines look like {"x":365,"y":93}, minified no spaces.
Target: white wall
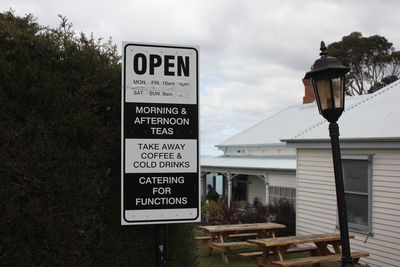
{"x":282,"y":180}
{"x":256,"y":186}
{"x":316,"y":202}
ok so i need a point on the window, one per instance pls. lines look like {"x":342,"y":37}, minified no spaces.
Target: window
{"x":216,"y":181}
{"x":219,"y":184}
{"x":357,"y":187}
{"x":277,"y":193}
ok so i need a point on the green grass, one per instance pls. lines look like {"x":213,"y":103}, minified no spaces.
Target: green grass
{"x":215,"y":260}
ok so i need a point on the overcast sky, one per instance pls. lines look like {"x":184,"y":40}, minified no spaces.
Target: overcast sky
{"x":253,"y":54}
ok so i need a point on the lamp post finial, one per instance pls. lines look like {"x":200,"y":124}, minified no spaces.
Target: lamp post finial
{"x":323,"y":49}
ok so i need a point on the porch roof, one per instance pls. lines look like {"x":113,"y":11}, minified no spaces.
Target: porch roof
{"x":249,"y":165}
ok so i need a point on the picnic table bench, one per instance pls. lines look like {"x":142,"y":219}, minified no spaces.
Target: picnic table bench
{"x":255,"y":254}
{"x":208,"y":237}
{"x":318,"y":259}
{"x":278,"y":247}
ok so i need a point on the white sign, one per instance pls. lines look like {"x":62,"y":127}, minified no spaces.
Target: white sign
{"x":160,"y":155}
{"x":160,"y":127}
{"x":161,"y":74}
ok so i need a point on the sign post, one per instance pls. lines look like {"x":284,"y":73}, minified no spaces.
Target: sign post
{"x":160,"y":130}
{"x":161,"y":243}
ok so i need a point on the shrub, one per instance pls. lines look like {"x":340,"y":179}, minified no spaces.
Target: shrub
{"x":283,"y":212}
{"x":218,"y":212}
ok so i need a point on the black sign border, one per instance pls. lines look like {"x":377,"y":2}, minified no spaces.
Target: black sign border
{"x":123,"y":134}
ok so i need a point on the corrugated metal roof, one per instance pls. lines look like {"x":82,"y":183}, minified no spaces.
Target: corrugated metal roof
{"x":375,"y":115}
{"x":283,"y":124}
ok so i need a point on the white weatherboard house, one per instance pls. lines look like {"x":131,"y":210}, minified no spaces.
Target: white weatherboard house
{"x":291,"y":150}
{"x":256,"y":163}
{"x":370,"y":145}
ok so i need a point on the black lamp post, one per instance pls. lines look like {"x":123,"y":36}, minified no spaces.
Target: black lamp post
{"x":327,"y":77}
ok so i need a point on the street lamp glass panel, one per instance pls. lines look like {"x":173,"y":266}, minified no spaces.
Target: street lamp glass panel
{"x":324,"y":94}
{"x":338,"y":87}
{"x":330,"y":93}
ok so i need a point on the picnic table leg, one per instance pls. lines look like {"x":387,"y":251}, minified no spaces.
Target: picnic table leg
{"x":272,"y":234}
{"x":336,"y":248}
{"x":265,"y":233}
{"x":209,"y":249}
{"x":213,"y":237}
{"x":224,"y":256}
{"x":323,"y":248}
{"x":280,"y":252}
{"x":263,"y":261}
{"x":221,"y":238}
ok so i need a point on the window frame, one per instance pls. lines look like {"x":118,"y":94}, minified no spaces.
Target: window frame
{"x":358,"y":228}
{"x":291,"y":196}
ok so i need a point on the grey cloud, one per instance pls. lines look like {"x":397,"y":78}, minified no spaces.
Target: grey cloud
{"x":253,"y":54}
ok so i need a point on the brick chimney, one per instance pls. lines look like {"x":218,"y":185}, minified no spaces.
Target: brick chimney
{"x":308,"y":92}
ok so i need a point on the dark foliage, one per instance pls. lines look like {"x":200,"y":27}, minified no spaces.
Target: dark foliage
{"x":218,"y":212}
{"x":373,"y":62}
{"x":60,"y":154}
{"x":256,"y":213}
{"x":284,"y":212}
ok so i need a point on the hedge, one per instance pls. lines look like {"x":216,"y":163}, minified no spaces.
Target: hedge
{"x":60,"y":154}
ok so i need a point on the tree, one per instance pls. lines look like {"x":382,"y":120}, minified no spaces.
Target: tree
{"x":373,"y":62}
{"x":60,"y":96}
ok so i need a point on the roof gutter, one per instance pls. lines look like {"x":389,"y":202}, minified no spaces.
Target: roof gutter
{"x":251,"y":145}
{"x":245,"y":170}
{"x":374,"y":142}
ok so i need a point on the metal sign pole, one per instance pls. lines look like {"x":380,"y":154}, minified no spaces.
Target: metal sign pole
{"x":161,"y":245}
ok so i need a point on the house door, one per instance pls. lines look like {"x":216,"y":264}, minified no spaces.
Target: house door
{"x":239,"y":188}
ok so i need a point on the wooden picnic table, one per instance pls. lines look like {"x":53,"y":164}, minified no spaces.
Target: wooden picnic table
{"x":280,"y":246}
{"x":222,"y":237}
